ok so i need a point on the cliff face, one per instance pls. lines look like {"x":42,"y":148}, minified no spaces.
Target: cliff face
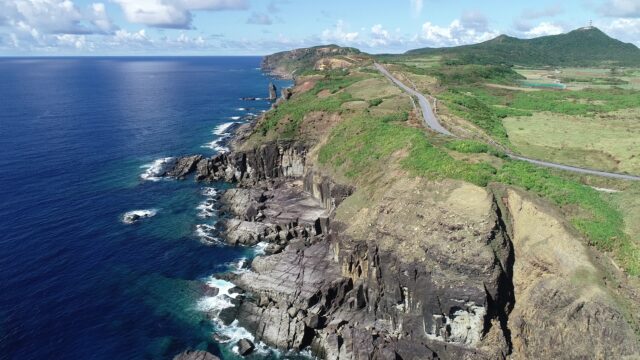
{"x":412,"y":269}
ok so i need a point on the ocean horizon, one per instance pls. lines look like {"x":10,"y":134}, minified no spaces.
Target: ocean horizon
{"x":103,"y":258}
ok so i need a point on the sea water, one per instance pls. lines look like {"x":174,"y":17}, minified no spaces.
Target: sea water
{"x":101,"y":257}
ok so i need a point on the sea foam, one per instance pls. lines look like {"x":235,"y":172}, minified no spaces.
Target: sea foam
{"x":131,"y":217}
{"x":154,"y":169}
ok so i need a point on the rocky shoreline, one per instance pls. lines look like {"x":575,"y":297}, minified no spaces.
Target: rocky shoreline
{"x":442,"y":275}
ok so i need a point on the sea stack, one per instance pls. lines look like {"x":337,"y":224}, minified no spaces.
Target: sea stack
{"x":272,"y":92}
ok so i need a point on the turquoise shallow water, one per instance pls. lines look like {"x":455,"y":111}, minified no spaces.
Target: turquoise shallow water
{"x":76,"y":134}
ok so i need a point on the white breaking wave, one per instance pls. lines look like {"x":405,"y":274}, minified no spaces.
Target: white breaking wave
{"x":215,"y":145}
{"x":209,"y":191}
{"x":260,"y":247}
{"x":154,"y":169}
{"x":232,"y":333}
{"x":241,"y":109}
{"x":222,"y":128}
{"x":206,"y":209}
{"x":234,"y":117}
{"x":134,"y":216}
{"x":206,"y":233}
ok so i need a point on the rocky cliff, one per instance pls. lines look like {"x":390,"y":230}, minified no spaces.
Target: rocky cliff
{"x":422,"y":270}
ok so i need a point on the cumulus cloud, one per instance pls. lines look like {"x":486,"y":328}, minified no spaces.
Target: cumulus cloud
{"x":173,"y":13}
{"x":621,"y":8}
{"x":339,"y":34}
{"x":624,"y":29}
{"x":544,"y":29}
{"x":257,"y":18}
{"x":459,"y":32}
{"x":56,"y":17}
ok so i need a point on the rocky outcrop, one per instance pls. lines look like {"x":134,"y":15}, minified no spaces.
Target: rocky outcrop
{"x":275,"y":160}
{"x":183,"y":166}
{"x":195,"y":355}
{"x":273,"y":95}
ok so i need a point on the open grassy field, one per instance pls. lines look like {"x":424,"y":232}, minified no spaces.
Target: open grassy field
{"x":584,"y":78}
{"x":607,"y":141}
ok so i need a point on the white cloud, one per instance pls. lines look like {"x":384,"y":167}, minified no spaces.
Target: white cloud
{"x":544,"y":29}
{"x":621,"y":8}
{"x":56,"y":16}
{"x":416,"y":7}
{"x":339,"y":34}
{"x":624,"y":29}
{"x":173,"y":13}
{"x":457,"y":33}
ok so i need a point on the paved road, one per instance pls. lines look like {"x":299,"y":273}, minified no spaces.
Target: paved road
{"x":432,"y":122}
{"x":429,"y":117}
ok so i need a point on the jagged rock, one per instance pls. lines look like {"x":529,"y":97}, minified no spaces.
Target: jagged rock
{"x":183,"y":166}
{"x":238,"y":232}
{"x":244,"y":203}
{"x":195,"y":355}
{"x":272,"y":92}
{"x":245,"y":347}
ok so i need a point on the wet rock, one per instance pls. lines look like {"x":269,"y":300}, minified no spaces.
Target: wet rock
{"x":183,"y":166}
{"x":195,"y":355}
{"x":245,"y":347}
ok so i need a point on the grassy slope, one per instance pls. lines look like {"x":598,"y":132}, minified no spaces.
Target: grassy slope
{"x":366,"y":141}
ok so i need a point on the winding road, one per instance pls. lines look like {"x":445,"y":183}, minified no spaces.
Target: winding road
{"x":432,"y":122}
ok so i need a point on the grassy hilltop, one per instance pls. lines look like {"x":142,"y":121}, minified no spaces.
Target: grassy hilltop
{"x":582,"y":47}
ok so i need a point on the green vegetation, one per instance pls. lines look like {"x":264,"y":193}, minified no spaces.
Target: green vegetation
{"x":295,"y":110}
{"x":356,"y":145}
{"x":476,"y":111}
{"x":473,"y":147}
{"x":303,"y":61}
{"x":597,"y":219}
{"x":375,"y":102}
{"x":581,"y":47}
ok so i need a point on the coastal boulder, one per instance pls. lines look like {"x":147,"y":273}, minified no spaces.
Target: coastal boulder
{"x":195,"y":355}
{"x":245,"y":347}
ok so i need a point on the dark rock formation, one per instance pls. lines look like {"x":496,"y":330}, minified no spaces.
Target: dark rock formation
{"x":275,"y":160}
{"x":183,"y":166}
{"x":273,"y":95}
{"x":245,"y":347}
{"x":286,"y":93}
{"x":195,"y":355}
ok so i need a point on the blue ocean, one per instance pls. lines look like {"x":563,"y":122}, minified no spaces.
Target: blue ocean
{"x":82,"y":141}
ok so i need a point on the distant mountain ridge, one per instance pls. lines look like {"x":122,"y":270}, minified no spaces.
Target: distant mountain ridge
{"x":587,"y":46}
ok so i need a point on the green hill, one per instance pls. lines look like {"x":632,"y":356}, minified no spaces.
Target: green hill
{"x":582,"y":47}
{"x":298,"y":61}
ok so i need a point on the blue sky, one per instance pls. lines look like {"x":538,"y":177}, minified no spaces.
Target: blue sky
{"x":239,"y":27}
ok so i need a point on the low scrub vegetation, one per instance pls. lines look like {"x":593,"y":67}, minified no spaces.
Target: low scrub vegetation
{"x":473,"y":147}
{"x":358,"y":144}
